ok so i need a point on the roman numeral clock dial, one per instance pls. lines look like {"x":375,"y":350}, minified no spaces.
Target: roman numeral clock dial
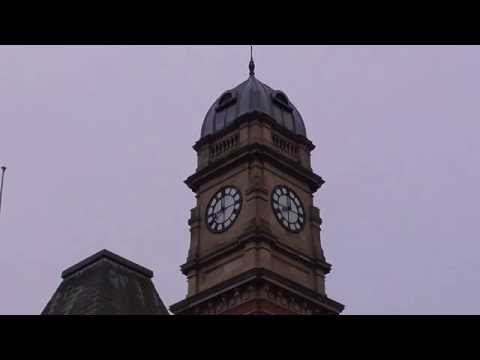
{"x":223,"y":209}
{"x":288,"y":209}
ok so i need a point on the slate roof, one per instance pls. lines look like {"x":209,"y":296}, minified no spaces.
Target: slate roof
{"x":106,"y":284}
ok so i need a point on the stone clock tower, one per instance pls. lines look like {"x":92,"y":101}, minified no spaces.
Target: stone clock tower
{"x":255,"y":233}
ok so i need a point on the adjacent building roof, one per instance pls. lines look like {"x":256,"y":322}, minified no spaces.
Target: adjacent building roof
{"x":252,"y":96}
{"x":106,"y":284}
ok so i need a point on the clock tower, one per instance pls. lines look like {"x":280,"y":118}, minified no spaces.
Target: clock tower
{"x":255,"y":243}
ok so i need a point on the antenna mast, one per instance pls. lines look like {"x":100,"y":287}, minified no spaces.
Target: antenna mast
{"x":1,"y":186}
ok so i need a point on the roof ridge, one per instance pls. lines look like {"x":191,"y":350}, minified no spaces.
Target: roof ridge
{"x":106,"y":254}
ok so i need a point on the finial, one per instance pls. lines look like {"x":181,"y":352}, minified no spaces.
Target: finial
{"x":251,"y":65}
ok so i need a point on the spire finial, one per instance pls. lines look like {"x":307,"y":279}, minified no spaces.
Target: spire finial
{"x":251,"y":65}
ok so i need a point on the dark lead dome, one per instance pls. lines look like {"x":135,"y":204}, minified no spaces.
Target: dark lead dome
{"x":249,"y":97}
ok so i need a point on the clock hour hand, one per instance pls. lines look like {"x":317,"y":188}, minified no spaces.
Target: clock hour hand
{"x":220,"y":211}
{"x":288,"y":207}
{"x":224,"y":210}
{"x":216,"y":214}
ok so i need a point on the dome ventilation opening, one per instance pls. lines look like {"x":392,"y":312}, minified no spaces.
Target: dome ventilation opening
{"x":281,"y":100}
{"x":225,"y":101}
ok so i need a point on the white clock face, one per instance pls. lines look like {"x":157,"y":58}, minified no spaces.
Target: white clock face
{"x":288,"y":209}
{"x":223,"y":209}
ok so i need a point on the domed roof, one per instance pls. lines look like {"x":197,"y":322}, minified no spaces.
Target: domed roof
{"x":252,"y":96}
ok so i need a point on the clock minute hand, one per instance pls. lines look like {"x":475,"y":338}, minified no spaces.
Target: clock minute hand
{"x":215,"y":214}
{"x":289,"y":208}
{"x":223,"y":207}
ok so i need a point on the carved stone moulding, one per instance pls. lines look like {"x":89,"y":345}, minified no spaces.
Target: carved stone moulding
{"x":259,"y":297}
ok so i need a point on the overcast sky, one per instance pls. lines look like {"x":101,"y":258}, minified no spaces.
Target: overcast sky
{"x":98,"y":141}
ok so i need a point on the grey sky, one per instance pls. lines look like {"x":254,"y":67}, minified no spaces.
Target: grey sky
{"x":97,"y":141}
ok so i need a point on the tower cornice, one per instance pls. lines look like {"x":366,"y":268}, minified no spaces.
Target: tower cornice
{"x":252,"y":152}
{"x":252,"y":116}
{"x":259,"y":238}
{"x":257,"y":285}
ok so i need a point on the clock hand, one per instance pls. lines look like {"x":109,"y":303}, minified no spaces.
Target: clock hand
{"x":288,"y":216}
{"x":293,"y":208}
{"x":289,"y":208}
{"x":217,"y":214}
{"x":223,"y":207}
{"x":222,"y":210}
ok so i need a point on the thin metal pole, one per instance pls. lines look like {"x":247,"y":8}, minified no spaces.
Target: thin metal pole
{"x":1,"y":186}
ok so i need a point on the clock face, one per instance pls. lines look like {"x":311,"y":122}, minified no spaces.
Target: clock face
{"x":223,"y":209}
{"x":288,"y":209}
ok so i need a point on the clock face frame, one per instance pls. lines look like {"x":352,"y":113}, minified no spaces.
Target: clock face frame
{"x":223,"y":209}
{"x":288,"y":209}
